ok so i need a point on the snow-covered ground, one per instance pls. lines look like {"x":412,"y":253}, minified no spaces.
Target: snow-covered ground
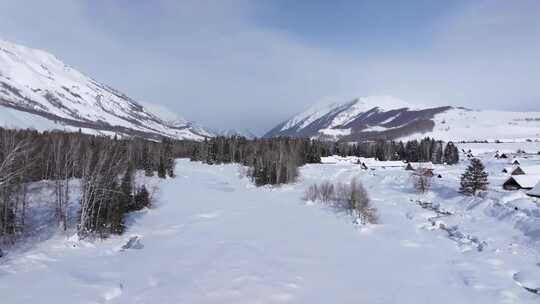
{"x":212,"y":237}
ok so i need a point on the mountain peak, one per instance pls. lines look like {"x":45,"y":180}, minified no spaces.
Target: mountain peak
{"x":39,"y":84}
{"x":387,"y":117}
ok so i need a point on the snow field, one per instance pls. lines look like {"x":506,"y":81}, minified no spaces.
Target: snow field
{"x":212,"y":237}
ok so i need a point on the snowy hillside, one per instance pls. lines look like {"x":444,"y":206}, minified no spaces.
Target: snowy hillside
{"x":390,"y":118}
{"x":214,"y":238}
{"x":38,"y":90}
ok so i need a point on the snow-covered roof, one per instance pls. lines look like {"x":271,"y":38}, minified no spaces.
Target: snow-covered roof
{"x":369,"y":162}
{"x":525,"y":181}
{"x":335,"y":159}
{"x":535,"y":191}
{"x":514,"y":170}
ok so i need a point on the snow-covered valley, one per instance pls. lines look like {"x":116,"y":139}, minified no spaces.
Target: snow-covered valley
{"x":212,"y":237}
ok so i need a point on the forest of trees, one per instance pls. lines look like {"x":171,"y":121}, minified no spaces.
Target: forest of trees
{"x":425,"y":150}
{"x":276,"y":160}
{"x":271,"y":161}
{"x":105,"y":167}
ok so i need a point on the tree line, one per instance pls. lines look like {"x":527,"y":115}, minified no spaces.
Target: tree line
{"x":425,"y":150}
{"x":104,"y":166}
{"x":276,"y":160}
{"x":271,"y":161}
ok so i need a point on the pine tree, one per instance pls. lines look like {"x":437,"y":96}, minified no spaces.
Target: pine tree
{"x":146,"y":162}
{"x":168,"y":157}
{"x":437,"y":152}
{"x":126,"y":190}
{"x":451,"y":154}
{"x":142,"y":198}
{"x":161,"y":172}
{"x":474,"y":179}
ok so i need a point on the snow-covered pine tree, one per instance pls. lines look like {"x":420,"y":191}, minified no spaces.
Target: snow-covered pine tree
{"x":474,"y":179}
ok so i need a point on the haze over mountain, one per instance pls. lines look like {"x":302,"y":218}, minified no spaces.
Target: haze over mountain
{"x":39,"y":91}
{"x":213,"y":62}
{"x":385,"y":117}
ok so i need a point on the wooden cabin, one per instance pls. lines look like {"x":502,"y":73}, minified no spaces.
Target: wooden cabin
{"x":516,"y":170}
{"x":517,"y":182}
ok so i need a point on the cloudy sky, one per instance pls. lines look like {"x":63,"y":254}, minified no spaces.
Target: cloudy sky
{"x":253,"y":63}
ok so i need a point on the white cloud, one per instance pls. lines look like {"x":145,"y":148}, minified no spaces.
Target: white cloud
{"x":208,"y":61}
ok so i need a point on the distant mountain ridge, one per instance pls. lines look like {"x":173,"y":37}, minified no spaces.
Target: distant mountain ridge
{"x":234,"y":132}
{"x":38,"y":90}
{"x":385,"y":117}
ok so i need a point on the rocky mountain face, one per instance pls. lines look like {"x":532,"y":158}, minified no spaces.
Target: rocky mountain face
{"x":384,"y":117}
{"x":38,"y":90}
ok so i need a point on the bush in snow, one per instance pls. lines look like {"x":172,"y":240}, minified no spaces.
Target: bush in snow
{"x":422,"y":179}
{"x":312,"y":194}
{"x":324,"y":192}
{"x":474,"y":179}
{"x":349,"y":197}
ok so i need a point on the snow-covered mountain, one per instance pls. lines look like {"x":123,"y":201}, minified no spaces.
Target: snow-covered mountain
{"x":39,"y":91}
{"x":387,"y":117}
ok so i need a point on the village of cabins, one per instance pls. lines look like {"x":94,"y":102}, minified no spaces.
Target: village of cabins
{"x":520,"y":177}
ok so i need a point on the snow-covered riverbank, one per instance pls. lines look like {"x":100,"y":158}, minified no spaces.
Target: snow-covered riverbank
{"x":214,"y":238}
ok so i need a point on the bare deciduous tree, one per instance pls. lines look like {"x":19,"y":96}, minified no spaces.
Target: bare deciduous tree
{"x":422,"y":180}
{"x":351,"y":197}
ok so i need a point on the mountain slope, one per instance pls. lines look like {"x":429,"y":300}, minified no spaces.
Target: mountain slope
{"x":234,"y":132}
{"x":37,"y":83}
{"x":384,"y":117}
